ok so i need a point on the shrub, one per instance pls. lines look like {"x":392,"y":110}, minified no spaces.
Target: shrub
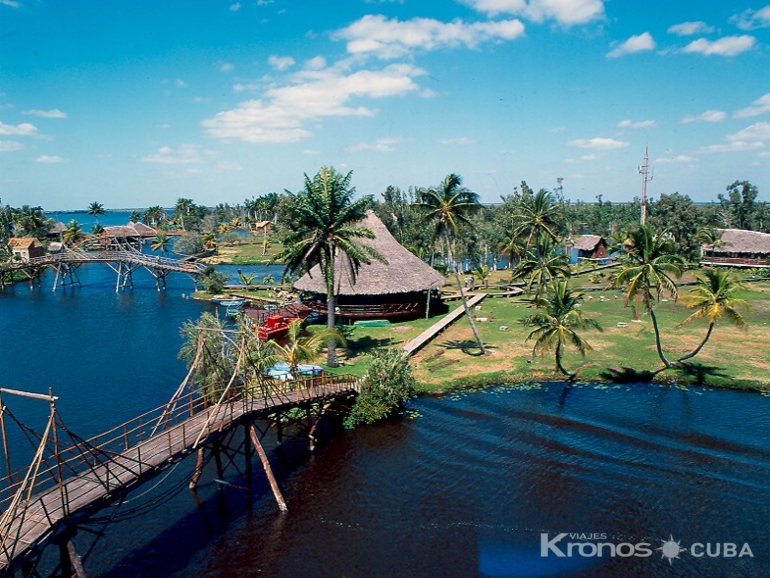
{"x":212,"y":280}
{"x":388,"y":383}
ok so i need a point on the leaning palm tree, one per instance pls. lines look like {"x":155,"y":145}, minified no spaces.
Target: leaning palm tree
{"x":536,"y":216}
{"x":161,"y":242}
{"x":247,"y":280}
{"x":714,"y":298}
{"x":72,"y":233}
{"x":648,"y":269}
{"x":449,"y":207}
{"x":325,"y":232}
{"x":540,"y":264}
{"x":299,"y":349}
{"x":555,"y":327}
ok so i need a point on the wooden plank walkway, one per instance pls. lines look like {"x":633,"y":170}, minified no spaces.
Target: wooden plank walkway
{"x":423,"y":338}
{"x":103,"y":483}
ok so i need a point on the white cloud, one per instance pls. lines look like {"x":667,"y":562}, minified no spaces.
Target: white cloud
{"x":384,"y":38}
{"x":226,"y":67}
{"x":727,"y":46}
{"x":382,"y":145}
{"x":457,"y":141}
{"x":53,"y":113}
{"x":636,"y":124}
{"x":591,"y":157}
{"x":246,"y":87}
{"x":602,"y":144}
{"x":311,"y":152}
{"x":735,"y":146}
{"x":756,"y":132}
{"x":280,"y":62}
{"x":752,"y":19}
{"x":7,"y":146}
{"x":690,"y":28}
{"x":229,"y":166}
{"x":50,"y":160}
{"x":759,"y":106}
{"x":235,"y":7}
{"x":707,"y":116}
{"x":184,"y":155}
{"x":640,"y":43}
{"x":316,"y":63}
{"x":23,"y":129}
{"x":11,"y":3}
{"x":179,"y":83}
{"x":681,"y":159}
{"x":310,"y":95}
{"x":565,"y":12}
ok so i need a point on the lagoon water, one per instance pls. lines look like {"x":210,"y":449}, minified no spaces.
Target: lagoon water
{"x":464,"y":486}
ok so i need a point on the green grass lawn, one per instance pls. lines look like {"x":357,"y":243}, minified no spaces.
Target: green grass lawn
{"x":246,"y":252}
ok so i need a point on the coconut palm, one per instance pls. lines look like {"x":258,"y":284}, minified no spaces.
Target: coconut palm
{"x":537,"y":215}
{"x":95,"y":209}
{"x":512,"y":246}
{"x":154,"y":216}
{"x":324,"y":232}
{"x":540,"y":264}
{"x":72,"y":233}
{"x":135,"y":217}
{"x":299,"y":349}
{"x":247,"y":280}
{"x":714,"y":298}
{"x":268,"y":280}
{"x":448,"y":207}
{"x":710,"y":237}
{"x":556,"y":326}
{"x":161,"y":242}
{"x":648,"y":269}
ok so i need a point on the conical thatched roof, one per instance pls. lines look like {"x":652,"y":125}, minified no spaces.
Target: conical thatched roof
{"x":740,"y":241}
{"x":403,"y":273}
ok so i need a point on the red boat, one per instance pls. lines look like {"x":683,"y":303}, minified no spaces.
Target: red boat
{"x":274,"y":326}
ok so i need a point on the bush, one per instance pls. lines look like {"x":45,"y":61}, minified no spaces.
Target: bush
{"x":212,"y":280}
{"x":388,"y":383}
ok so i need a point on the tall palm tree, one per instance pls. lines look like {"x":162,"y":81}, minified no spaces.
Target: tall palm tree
{"x":555,"y":327}
{"x":95,"y":209}
{"x":449,"y":207}
{"x":72,"y":233}
{"x":154,"y":216}
{"x":247,"y":280}
{"x":161,"y":242}
{"x":648,"y":269}
{"x":711,"y":237}
{"x":135,"y":217}
{"x":182,"y":208}
{"x":537,"y":215}
{"x":324,"y":228}
{"x":540,"y":264}
{"x":299,"y":349}
{"x":512,"y":246}
{"x":714,"y":297}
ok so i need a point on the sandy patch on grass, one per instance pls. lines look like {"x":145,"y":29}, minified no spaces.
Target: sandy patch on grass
{"x":402,"y":328}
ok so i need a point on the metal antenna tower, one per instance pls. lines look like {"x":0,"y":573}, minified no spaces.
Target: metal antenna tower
{"x":646,"y":178}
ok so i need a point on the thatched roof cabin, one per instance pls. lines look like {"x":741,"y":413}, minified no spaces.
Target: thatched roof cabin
{"x":740,"y":248}
{"x":400,"y":283}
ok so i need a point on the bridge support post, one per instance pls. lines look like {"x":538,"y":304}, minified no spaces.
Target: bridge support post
{"x":198,"y":469}
{"x":248,"y":451}
{"x":268,"y":470}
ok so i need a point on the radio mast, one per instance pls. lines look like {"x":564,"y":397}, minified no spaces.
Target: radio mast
{"x":646,"y":178}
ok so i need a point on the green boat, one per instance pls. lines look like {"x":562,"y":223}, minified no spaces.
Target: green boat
{"x":372,"y":323}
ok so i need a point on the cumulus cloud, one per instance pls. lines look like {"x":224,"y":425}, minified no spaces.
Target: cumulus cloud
{"x":183,"y":155}
{"x":457,"y":141}
{"x":636,"y":124}
{"x":756,"y":132}
{"x":310,"y":95}
{"x":50,"y":160}
{"x":602,"y":144}
{"x":639,"y":43}
{"x":53,"y":113}
{"x":235,"y":7}
{"x":228,"y":166}
{"x":759,"y":106}
{"x":11,"y":3}
{"x":727,"y":46}
{"x":226,"y":67}
{"x":565,"y":12}
{"x":752,"y":19}
{"x":735,"y":146}
{"x":7,"y":146}
{"x":385,"y":38}
{"x":690,"y":28}
{"x":681,"y":159}
{"x":280,"y":62}
{"x":707,"y":116}
{"x":23,"y":129}
{"x":382,"y":145}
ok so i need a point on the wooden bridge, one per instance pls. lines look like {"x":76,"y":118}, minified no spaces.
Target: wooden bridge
{"x":67,"y":482}
{"x":123,"y":262}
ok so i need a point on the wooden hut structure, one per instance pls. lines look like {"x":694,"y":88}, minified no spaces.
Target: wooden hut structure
{"x":590,"y":247}
{"x":25,"y":248}
{"x":738,"y":248}
{"x":402,"y":287}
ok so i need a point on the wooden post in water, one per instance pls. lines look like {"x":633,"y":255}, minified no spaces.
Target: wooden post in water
{"x":268,"y":469}
{"x":198,"y":469}
{"x":75,"y":561}
{"x":247,"y":453}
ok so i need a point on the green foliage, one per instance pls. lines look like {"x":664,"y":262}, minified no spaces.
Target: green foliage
{"x":387,"y":385}
{"x":189,"y":244}
{"x":212,"y":280}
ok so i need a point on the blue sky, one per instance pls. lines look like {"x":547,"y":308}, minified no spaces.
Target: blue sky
{"x":138,"y":103}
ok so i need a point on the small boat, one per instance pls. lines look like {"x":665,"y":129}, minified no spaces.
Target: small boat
{"x":280,"y":371}
{"x":216,"y":299}
{"x":310,"y":370}
{"x":231,"y":302}
{"x":274,"y":326}
{"x":233,"y":312}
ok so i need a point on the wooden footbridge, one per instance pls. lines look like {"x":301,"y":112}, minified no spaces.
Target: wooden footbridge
{"x":71,"y":478}
{"x":124,"y":262}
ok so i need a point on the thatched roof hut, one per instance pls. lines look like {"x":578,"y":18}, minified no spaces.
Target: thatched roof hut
{"x":740,"y":241}
{"x":588,"y":242}
{"x":403,"y":273}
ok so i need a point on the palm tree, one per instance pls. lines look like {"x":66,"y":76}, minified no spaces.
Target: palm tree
{"x":95,"y":209}
{"x":324,"y":229}
{"x":154,"y":216}
{"x":449,"y":207}
{"x":268,"y":280}
{"x":161,"y":242}
{"x":134,"y":217}
{"x":512,"y":246}
{"x":72,"y":233}
{"x":555,"y":327}
{"x":246,"y":280}
{"x":711,"y":237}
{"x":540,"y":264}
{"x":300,"y":349}
{"x":538,"y":214}
{"x":182,"y":208}
{"x":714,"y":297}
{"x":650,"y":265}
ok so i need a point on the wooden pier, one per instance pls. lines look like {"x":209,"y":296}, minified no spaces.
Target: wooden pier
{"x":429,"y":334}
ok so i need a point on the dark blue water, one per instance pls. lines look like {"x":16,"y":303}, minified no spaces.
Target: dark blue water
{"x":466,"y":487}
